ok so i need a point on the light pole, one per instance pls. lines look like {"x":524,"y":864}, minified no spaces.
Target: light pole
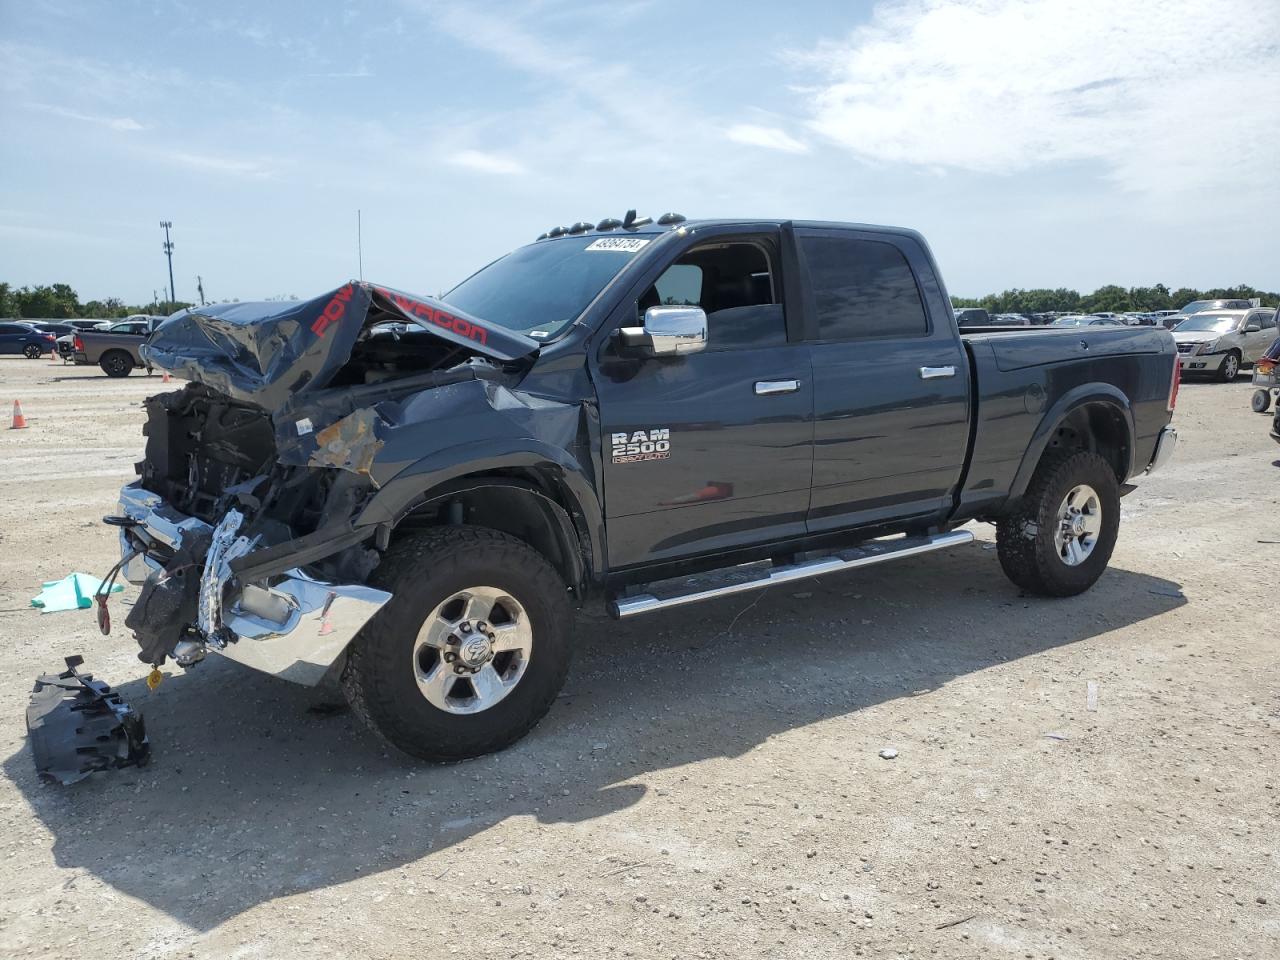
{"x":168,"y":252}
{"x":200,"y":288}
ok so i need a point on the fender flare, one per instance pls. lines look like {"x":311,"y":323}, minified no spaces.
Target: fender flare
{"x":1075,"y":399}
{"x":437,"y":475}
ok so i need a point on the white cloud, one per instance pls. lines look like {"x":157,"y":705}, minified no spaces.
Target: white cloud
{"x":483,"y":162}
{"x":214,"y":163}
{"x":771,"y":138}
{"x":1168,"y":95}
{"x":123,"y":124}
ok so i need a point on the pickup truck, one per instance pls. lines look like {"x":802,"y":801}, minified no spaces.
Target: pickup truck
{"x":114,"y":349}
{"x":408,"y":496}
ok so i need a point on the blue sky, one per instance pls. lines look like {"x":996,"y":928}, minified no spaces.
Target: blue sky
{"x":1034,"y":142}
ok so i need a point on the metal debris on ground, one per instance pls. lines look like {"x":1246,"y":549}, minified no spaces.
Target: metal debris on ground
{"x":78,"y":725}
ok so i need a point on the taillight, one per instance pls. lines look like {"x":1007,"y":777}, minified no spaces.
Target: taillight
{"x":78,"y":344}
{"x":1177,"y":382}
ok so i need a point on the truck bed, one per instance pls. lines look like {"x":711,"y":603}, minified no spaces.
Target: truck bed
{"x":1015,"y":348}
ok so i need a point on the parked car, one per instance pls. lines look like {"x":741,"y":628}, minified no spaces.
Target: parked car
{"x":415,"y":514}
{"x":1199,"y":306}
{"x":1086,"y":321}
{"x":24,"y":339}
{"x":972,"y":317}
{"x":55,"y":328}
{"x":114,"y":349}
{"x":1220,"y":342}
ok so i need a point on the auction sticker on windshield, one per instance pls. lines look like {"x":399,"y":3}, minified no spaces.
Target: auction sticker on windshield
{"x":618,"y":244}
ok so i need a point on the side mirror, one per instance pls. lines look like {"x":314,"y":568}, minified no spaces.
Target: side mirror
{"x":667,"y":332}
{"x":1253,"y":328}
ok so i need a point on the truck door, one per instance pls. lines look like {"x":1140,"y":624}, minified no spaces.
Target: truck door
{"x":711,"y":450}
{"x":890,"y":380}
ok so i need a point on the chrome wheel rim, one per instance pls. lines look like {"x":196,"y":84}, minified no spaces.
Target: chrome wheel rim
{"x":473,"y":650}
{"x":1232,"y":365}
{"x":1079,"y":524}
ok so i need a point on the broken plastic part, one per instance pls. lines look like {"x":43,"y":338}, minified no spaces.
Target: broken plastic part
{"x":78,"y":725}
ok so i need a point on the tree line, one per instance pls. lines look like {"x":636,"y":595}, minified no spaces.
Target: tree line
{"x":59,"y":301}
{"x":1110,"y":298}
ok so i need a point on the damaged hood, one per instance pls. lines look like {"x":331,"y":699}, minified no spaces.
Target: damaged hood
{"x":266,"y":353}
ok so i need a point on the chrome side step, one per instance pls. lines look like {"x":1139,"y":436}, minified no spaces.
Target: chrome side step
{"x":873,"y":551}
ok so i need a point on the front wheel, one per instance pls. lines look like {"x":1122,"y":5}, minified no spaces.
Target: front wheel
{"x":471,"y":650}
{"x":1261,"y":401}
{"x":1059,"y":539}
{"x":1230,"y":368}
{"x":31,"y":352}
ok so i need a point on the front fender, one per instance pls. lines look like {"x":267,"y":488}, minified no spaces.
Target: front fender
{"x":415,"y":483}
{"x":1077,"y":398}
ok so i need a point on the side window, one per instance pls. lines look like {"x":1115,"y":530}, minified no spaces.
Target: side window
{"x":12,"y":328}
{"x":736,"y":285}
{"x":862,"y":289}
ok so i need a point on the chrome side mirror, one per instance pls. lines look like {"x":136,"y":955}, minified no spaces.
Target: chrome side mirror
{"x":668,"y":332}
{"x":1253,"y":328}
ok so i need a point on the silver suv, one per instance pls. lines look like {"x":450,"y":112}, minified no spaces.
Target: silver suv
{"x":1220,"y":341}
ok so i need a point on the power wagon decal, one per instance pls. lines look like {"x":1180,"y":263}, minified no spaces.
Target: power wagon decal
{"x":336,"y":308}
{"x":640,"y":445}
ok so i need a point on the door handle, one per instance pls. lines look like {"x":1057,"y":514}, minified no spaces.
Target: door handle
{"x":936,"y":373}
{"x":771,"y":388}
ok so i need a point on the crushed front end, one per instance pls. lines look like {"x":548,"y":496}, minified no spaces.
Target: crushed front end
{"x":243,"y":529}
{"x":237,"y":552}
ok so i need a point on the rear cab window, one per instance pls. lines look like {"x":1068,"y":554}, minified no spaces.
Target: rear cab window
{"x":862,"y":289}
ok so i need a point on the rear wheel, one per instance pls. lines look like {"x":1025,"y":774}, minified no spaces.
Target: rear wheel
{"x":1060,"y":538}
{"x":1261,"y":401}
{"x":472,"y":648}
{"x":31,"y":352}
{"x":1230,"y":368}
{"x":116,"y":363}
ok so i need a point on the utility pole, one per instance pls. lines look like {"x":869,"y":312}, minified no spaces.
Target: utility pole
{"x":359,"y":246}
{"x":168,"y":252}
{"x":200,"y":289}
{"x":155,"y":299}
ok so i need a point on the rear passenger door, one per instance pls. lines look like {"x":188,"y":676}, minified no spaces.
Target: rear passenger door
{"x":1256,"y":343}
{"x":890,"y":381}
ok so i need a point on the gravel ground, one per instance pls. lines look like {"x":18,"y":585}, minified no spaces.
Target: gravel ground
{"x":709,"y":784}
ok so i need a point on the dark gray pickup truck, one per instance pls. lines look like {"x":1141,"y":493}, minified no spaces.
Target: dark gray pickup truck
{"x":409,"y":495}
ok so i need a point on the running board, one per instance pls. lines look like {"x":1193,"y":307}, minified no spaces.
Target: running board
{"x":873,"y":551}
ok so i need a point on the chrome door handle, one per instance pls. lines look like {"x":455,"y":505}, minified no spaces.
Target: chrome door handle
{"x":935,"y":373}
{"x":770,"y":388}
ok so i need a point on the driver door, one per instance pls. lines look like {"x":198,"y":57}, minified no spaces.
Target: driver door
{"x":713,"y":450}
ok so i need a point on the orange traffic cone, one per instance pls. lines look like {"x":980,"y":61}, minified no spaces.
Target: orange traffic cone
{"x":19,"y":421}
{"x":166,"y":378}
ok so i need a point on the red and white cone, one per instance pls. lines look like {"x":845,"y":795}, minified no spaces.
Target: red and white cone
{"x":19,"y":421}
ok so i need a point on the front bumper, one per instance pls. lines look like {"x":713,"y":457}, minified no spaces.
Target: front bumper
{"x":1201,"y":362}
{"x":291,"y":625}
{"x":1165,"y":445}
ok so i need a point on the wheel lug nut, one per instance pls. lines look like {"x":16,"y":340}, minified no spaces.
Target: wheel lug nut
{"x":466,"y":628}
{"x":450,"y":656}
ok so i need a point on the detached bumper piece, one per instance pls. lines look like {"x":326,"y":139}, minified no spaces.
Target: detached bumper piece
{"x":78,"y":725}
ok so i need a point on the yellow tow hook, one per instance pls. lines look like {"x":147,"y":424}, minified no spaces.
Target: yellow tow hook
{"x":154,"y":678}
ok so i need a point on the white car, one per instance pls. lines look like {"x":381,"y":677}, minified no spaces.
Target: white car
{"x":1220,"y":341}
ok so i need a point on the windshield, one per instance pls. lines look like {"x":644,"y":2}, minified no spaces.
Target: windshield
{"x":1207,"y":323}
{"x":1070,"y":321}
{"x":539,"y":289}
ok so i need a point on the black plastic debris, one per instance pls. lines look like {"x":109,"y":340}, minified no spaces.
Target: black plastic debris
{"x":77,"y":725}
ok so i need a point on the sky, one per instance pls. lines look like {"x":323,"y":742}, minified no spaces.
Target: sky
{"x":1035,"y":143}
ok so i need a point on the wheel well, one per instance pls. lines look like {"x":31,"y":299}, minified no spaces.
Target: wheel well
{"x":525,"y":504}
{"x":1099,"y":428}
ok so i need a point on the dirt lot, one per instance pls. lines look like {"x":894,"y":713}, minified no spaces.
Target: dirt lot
{"x":709,"y":785}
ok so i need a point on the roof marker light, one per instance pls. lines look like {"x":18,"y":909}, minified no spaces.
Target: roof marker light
{"x":667,"y":219}
{"x":609,"y":223}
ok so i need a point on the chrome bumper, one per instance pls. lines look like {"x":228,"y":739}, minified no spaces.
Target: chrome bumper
{"x":293,"y":626}
{"x":1165,"y":445}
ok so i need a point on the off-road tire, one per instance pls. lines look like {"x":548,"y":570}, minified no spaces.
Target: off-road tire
{"x":1227,"y":365}
{"x":116,"y":363}
{"x":421,"y":571}
{"x":1024,"y":538}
